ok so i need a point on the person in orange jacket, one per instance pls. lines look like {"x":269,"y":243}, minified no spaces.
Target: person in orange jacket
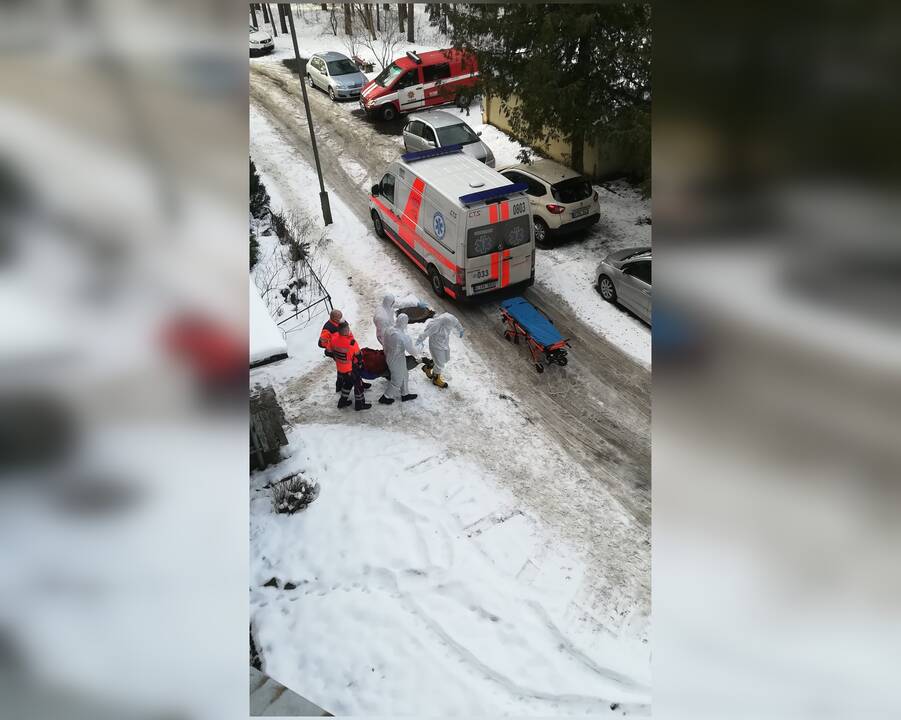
{"x":329,"y":330}
{"x":346,"y":354}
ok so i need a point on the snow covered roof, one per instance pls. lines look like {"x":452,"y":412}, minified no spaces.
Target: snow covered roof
{"x":267,"y":344}
{"x":456,"y":175}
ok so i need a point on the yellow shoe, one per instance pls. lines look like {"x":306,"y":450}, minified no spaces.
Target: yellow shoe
{"x":427,"y":371}
{"x":439,"y":381}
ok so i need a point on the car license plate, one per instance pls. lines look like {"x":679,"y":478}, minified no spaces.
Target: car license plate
{"x":482,"y":286}
{"x":579,"y":212}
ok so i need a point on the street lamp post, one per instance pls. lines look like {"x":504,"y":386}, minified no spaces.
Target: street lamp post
{"x":323,"y":195}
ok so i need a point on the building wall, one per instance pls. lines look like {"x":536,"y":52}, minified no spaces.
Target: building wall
{"x":601,"y":160}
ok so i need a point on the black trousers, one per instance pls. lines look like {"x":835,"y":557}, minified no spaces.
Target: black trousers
{"x":351,"y":380}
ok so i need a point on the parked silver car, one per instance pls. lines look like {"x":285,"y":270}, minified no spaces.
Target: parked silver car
{"x":260,"y":41}
{"x":439,"y":128}
{"x":624,"y":277}
{"x":336,"y":74}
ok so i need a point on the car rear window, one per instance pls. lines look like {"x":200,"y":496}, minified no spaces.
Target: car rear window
{"x":570,"y":191}
{"x":499,"y":236}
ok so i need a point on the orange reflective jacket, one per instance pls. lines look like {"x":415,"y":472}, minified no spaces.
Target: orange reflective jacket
{"x":344,"y":349}
{"x":325,"y":337}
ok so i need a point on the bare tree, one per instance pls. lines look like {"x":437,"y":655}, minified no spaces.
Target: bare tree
{"x":283,"y":16}
{"x":382,"y":46}
{"x":348,"y":19}
{"x":253,"y":14}
{"x":410,"y":37}
{"x":401,"y":15}
{"x":333,"y":20}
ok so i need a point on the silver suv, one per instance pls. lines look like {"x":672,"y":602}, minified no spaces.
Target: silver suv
{"x":336,"y":74}
{"x":439,"y":128}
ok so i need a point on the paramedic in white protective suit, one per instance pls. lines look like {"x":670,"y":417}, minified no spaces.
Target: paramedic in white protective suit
{"x":384,"y":315}
{"x":397,"y":344}
{"x":438,"y":333}
{"x":383,"y":318}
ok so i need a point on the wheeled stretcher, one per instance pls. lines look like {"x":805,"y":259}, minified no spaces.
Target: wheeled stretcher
{"x":524,"y":320}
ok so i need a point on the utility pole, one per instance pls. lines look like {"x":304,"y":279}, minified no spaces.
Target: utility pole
{"x":323,"y":195}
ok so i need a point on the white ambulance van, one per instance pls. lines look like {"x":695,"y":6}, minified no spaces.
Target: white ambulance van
{"x":462,"y":223}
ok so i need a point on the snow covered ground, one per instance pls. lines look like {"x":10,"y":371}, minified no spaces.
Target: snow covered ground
{"x":421,"y":589}
{"x":457,"y":560}
{"x":571,"y":634}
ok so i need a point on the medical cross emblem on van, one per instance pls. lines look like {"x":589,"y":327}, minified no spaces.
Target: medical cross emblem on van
{"x":438,"y":225}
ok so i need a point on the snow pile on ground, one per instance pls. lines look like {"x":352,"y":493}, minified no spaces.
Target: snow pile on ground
{"x":266,"y":340}
{"x":301,"y":334}
{"x":448,"y":601}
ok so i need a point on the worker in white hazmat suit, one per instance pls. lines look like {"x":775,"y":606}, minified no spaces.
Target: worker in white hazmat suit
{"x":384,"y":315}
{"x":384,"y":318}
{"x":397,"y":344}
{"x":438,"y":334}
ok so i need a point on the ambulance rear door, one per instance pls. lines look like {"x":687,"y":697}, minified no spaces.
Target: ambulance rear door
{"x":499,"y":244}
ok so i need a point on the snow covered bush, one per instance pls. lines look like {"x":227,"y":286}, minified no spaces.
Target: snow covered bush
{"x":293,"y":494}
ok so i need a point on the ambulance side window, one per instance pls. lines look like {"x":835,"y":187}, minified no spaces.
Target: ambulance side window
{"x":411,"y":78}
{"x":387,"y":188}
{"x":435,"y":72}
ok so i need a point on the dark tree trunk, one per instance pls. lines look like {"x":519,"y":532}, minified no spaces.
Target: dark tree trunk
{"x":265,"y":13}
{"x":583,"y":61}
{"x":283,"y":14}
{"x":401,"y":14}
{"x":272,"y":20}
{"x":378,"y":21}
{"x":348,"y":20}
{"x":253,"y":14}
{"x":442,"y":18}
{"x":410,"y":37}
{"x":324,"y":6}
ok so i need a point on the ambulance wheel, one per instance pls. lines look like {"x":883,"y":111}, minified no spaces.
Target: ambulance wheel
{"x":463,"y":100}
{"x":389,"y":113}
{"x":436,"y":281}
{"x":377,"y":224}
{"x":541,"y":233}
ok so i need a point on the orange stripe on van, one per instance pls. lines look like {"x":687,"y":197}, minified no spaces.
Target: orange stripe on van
{"x":411,"y":211}
{"x":505,"y":269}
{"x":505,"y":210}
{"x":492,"y":214}
{"x":408,"y":234}
{"x":494,"y":265}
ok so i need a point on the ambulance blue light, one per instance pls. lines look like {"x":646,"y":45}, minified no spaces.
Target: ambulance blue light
{"x":484,"y":195}
{"x":426,"y":154}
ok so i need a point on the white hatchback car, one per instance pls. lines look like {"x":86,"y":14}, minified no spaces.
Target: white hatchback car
{"x":562,"y":200}
{"x":260,"y":42}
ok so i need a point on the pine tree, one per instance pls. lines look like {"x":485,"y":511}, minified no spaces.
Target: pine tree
{"x":579,"y":72}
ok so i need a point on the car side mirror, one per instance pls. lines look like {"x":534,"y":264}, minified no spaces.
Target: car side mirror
{"x":377,"y":189}
{"x":479,"y":133}
{"x":430,"y":143}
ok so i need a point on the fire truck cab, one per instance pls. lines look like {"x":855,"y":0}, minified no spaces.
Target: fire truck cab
{"x":462,"y":223}
{"x":416,"y":81}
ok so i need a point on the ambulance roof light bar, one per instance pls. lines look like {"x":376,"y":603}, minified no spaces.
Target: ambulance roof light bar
{"x":414,"y":57}
{"x":485,"y":195}
{"x":426,"y":154}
